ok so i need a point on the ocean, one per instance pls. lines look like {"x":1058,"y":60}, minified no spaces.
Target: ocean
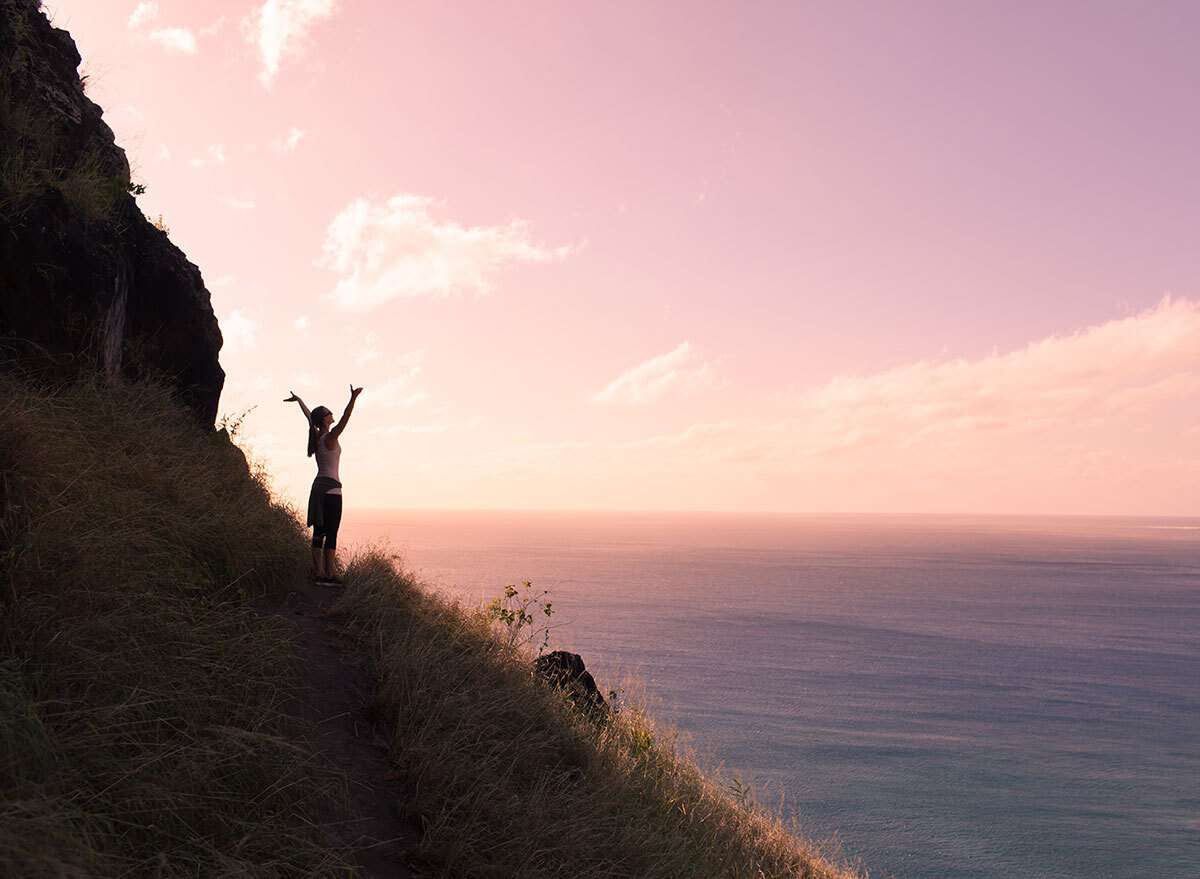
{"x":948,"y":697}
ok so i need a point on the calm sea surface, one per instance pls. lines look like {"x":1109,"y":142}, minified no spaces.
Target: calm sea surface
{"x":953,"y":697}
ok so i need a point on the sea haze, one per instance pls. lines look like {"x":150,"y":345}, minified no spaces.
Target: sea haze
{"x":955,"y":698}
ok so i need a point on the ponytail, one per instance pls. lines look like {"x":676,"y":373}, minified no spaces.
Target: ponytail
{"x":314,"y":428}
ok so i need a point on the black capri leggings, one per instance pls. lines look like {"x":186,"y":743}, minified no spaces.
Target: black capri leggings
{"x":331,"y":512}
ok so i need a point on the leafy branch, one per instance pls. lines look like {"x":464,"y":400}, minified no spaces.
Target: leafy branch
{"x":520,"y":612}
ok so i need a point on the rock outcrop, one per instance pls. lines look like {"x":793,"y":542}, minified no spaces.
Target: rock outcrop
{"x":86,"y":281}
{"x":567,"y":672}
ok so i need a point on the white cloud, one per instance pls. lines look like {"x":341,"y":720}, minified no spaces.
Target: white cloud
{"x":238,"y":330}
{"x":401,"y":390}
{"x":1035,"y":410}
{"x":675,"y":372}
{"x":301,"y":323}
{"x":143,"y":14}
{"x":176,"y":40}
{"x":397,"y":249}
{"x":287,"y":143}
{"x":1096,"y":373}
{"x":214,"y":28}
{"x":215,"y":155}
{"x":279,"y":29}
{"x":369,"y":350}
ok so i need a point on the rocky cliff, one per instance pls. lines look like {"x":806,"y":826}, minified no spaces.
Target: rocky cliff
{"x":86,"y":281}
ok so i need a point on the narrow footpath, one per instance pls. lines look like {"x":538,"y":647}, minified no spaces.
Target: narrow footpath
{"x":335,"y":684}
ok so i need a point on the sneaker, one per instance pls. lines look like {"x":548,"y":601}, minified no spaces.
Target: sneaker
{"x":331,"y":581}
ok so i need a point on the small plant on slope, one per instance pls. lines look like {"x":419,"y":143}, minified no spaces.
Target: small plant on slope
{"x":518,"y":611}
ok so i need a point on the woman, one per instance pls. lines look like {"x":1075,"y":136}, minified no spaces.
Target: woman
{"x":325,"y":499}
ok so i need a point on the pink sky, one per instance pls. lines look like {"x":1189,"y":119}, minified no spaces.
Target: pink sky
{"x":901,"y":257}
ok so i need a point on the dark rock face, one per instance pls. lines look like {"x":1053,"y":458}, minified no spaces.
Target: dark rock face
{"x":567,"y":672}
{"x":86,"y":282}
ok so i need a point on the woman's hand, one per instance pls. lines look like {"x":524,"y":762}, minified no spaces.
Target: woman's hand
{"x":294,"y":399}
{"x":354,"y":392}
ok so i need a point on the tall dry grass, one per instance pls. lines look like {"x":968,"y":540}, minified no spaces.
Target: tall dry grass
{"x":513,"y":782}
{"x":140,"y":693}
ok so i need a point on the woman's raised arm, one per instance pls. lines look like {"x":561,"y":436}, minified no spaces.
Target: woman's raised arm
{"x":295,"y":399}
{"x":341,"y":425}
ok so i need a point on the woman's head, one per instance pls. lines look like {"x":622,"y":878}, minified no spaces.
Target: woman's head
{"x":320,"y":417}
{"x":319,"y":423}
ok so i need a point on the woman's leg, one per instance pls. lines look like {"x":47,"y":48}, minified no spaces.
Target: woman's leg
{"x":318,"y":553}
{"x":333,"y":518}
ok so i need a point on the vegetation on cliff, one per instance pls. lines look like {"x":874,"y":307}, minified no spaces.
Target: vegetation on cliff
{"x":85,"y":278}
{"x":514,"y":780}
{"x":140,"y":693}
{"x":141,"y":722}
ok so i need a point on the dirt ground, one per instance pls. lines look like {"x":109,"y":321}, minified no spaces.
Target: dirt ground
{"x":329,"y":705}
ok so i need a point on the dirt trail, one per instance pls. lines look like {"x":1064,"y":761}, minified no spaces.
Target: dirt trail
{"x":335,"y":684}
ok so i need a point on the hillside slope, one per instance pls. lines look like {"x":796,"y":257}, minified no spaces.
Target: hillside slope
{"x":142,"y":725}
{"x":140,"y":694}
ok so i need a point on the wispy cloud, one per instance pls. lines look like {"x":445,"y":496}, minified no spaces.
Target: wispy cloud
{"x":396,"y":248}
{"x":400,"y":389}
{"x":1102,"y":372}
{"x":1024,"y":411}
{"x":368,"y":350}
{"x":214,"y":28}
{"x":287,"y":142}
{"x":279,"y":28}
{"x":239,"y":331}
{"x":143,"y":14}
{"x":676,"y":372}
{"x":175,"y":40}
{"x":214,"y":155}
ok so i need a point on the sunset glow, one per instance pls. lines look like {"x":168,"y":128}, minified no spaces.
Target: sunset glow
{"x":920,"y":257}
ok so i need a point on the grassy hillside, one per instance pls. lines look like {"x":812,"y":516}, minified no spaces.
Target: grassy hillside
{"x":141,"y":731}
{"x":516,"y":782}
{"x":139,"y":692}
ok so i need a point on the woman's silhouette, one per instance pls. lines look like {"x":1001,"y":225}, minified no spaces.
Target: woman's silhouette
{"x":325,"y":499}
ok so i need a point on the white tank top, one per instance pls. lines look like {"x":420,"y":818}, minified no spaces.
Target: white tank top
{"x":327,"y":462}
